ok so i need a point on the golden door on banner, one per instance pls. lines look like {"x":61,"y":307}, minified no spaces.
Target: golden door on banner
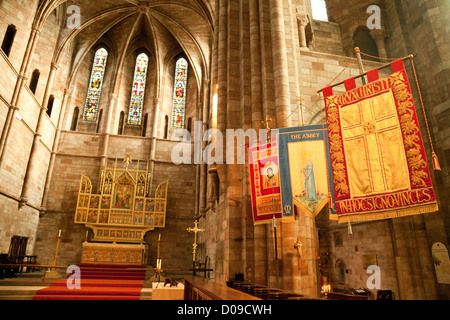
{"x":123,"y":210}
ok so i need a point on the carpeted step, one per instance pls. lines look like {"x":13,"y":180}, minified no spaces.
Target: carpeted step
{"x":112,"y":277}
{"x":99,"y":282}
{"x":93,"y":291}
{"x":84,"y":297}
{"x":103,"y":283}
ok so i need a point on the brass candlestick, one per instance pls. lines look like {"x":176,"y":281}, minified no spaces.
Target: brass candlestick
{"x":158,"y":271}
{"x":53,"y":275}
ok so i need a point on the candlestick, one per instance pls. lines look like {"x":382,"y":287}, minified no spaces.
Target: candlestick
{"x":53,"y":275}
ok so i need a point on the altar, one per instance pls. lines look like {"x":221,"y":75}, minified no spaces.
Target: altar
{"x":120,"y":212}
{"x":114,"y":253}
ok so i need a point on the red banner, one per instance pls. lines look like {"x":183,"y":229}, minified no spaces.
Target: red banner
{"x":378,"y":159}
{"x":265,"y":182}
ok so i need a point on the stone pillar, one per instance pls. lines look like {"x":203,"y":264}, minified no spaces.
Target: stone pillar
{"x":54,"y":151}
{"x":280,"y":64}
{"x":222,"y":69}
{"x":37,"y":137}
{"x":302,"y":21}
{"x":152,"y":155}
{"x":108,"y":129}
{"x":255,"y":49}
{"x":203,"y":166}
{"x":380,"y":35}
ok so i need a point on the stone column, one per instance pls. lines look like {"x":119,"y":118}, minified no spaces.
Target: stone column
{"x":282,"y":269}
{"x":107,"y":134}
{"x":54,"y":150}
{"x":280,"y":64}
{"x":203,"y":166}
{"x":222,"y":69}
{"x":37,"y":137}
{"x":380,"y":35}
{"x":302,"y":21}
{"x":154,"y":142}
{"x":255,"y":49}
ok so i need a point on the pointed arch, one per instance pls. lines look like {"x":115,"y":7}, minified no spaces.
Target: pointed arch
{"x":95,"y":85}
{"x":179,"y":95}
{"x":138,"y":90}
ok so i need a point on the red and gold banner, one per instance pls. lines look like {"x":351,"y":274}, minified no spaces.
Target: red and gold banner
{"x":378,"y":159}
{"x":265,"y":182}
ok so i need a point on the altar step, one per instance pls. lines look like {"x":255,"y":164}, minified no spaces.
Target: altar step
{"x":100,"y":282}
{"x":30,"y":286}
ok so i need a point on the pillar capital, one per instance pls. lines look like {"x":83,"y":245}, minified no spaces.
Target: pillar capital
{"x":303,"y":19}
{"x":54,"y":66}
{"x":379,"y":34}
{"x":36,"y":29}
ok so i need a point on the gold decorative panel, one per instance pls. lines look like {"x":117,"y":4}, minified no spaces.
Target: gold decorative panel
{"x":122,"y":211}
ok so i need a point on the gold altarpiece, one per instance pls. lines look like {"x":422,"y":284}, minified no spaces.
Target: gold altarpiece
{"x":122,"y":212}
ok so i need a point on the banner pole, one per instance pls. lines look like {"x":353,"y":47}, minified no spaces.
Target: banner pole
{"x":276,"y":249}
{"x":360,"y":63}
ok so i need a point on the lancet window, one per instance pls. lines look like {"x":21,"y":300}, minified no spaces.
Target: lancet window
{"x":179,"y":100}
{"x":95,"y":85}
{"x":138,"y":91}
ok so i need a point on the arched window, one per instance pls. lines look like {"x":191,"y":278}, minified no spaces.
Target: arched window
{"x":179,"y":96}
{"x":319,"y":10}
{"x":8,"y":40}
{"x":99,"y":121}
{"x":95,"y":85}
{"x":137,"y":95}
{"x":121,"y":121}
{"x":51,"y":101}
{"x":144,"y":126}
{"x":166,"y":127}
{"x":364,"y":41}
{"x":34,"y":80}
{"x":189,"y":128}
{"x":73,"y":126}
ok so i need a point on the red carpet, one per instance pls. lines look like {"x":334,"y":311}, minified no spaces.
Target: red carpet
{"x":99,"y":282}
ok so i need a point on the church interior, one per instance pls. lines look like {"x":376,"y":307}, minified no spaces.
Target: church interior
{"x":97,"y":99}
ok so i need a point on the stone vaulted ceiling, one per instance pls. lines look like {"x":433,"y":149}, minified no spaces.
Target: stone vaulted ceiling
{"x":164,"y":27}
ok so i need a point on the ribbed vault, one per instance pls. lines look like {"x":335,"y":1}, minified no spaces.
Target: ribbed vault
{"x":162,"y":27}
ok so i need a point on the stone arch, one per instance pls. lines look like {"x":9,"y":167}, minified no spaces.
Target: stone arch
{"x":364,"y":41}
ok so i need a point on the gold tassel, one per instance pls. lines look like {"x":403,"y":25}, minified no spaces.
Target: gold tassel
{"x":436,"y":165}
{"x":350,"y":231}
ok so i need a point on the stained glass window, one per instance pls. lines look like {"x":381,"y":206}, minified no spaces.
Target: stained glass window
{"x":179,"y":100}
{"x":95,"y":85}
{"x":137,"y":95}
